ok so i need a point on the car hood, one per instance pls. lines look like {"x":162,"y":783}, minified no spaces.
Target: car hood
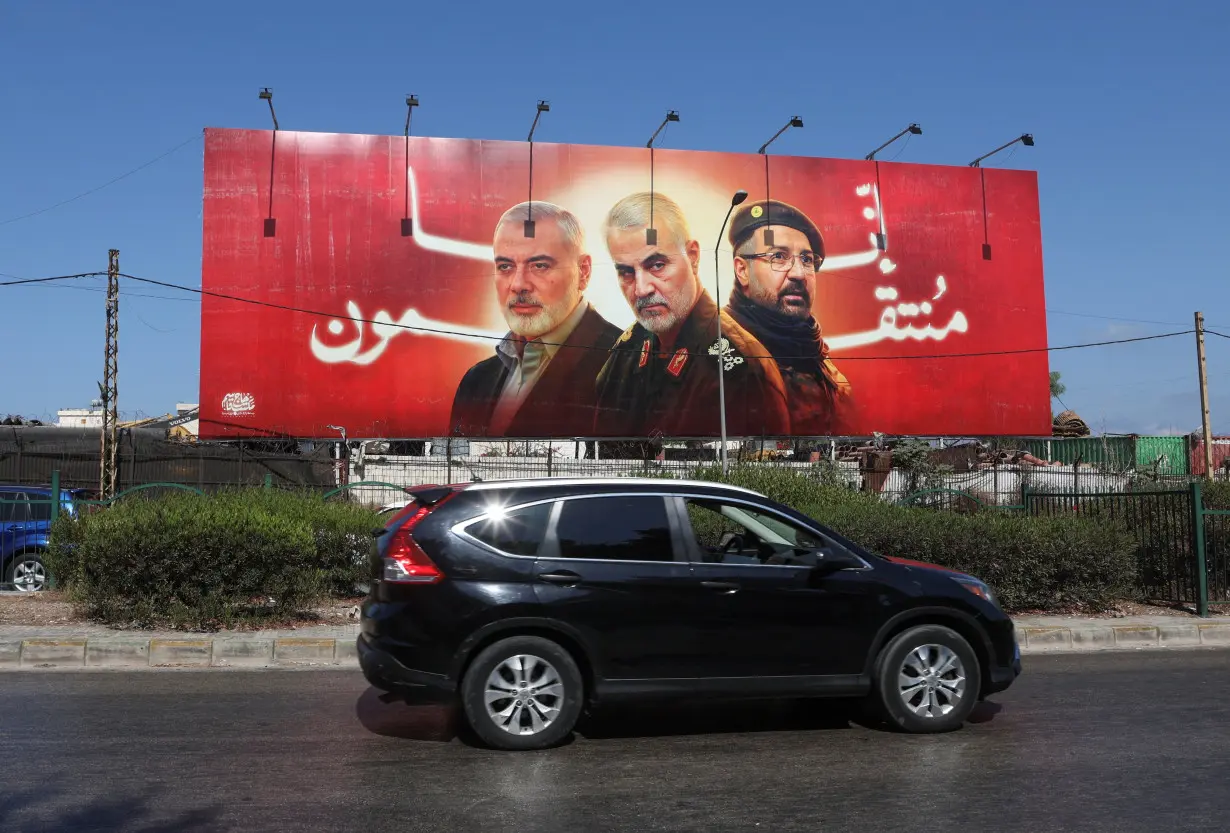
{"x":924,"y":565}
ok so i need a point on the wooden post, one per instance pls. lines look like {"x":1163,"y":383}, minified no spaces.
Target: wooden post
{"x":1204,"y":398}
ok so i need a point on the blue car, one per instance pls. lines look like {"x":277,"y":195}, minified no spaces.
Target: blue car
{"x":25,"y":527}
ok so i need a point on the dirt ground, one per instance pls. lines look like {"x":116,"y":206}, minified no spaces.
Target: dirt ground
{"x":51,"y":608}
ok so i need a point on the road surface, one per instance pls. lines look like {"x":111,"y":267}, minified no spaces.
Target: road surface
{"x":1104,"y":742}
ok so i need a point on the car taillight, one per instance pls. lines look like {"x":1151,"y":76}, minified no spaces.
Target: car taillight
{"x":404,"y":560}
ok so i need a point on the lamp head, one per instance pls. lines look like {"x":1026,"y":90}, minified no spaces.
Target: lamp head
{"x":1027,"y":139}
{"x":738,"y":198}
{"x":795,"y":121}
{"x":916,"y":129}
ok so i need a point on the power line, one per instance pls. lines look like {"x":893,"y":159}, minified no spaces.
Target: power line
{"x":95,"y":190}
{"x":1215,"y":333}
{"x":853,"y":278}
{"x":104,"y":289}
{"x":438,"y":331}
{"x":25,"y":281}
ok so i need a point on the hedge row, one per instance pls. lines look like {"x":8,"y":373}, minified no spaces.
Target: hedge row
{"x":206,"y":562}
{"x":1032,"y":563}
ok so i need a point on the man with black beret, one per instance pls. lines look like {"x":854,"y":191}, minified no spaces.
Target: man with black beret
{"x":777,"y":255}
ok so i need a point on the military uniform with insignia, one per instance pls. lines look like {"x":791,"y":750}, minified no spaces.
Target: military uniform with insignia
{"x":643,"y":392}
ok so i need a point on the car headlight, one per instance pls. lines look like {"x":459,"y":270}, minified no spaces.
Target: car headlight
{"x":978,"y":588}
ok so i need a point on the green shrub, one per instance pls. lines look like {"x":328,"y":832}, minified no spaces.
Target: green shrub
{"x":206,"y":562}
{"x":1032,"y":563}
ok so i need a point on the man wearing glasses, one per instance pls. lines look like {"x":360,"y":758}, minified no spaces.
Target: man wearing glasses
{"x":777,"y":255}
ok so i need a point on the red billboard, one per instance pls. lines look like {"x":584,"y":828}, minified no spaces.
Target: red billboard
{"x":426,"y":287}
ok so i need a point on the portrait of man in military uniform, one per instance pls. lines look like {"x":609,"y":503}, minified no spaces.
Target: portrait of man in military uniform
{"x":773,"y":297}
{"x":662,"y":375}
{"x":540,"y":382}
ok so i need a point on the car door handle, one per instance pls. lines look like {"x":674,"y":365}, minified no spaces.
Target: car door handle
{"x":566,"y":578}
{"x":721,"y":586}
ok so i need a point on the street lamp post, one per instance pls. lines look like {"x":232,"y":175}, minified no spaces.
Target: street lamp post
{"x":738,"y":197}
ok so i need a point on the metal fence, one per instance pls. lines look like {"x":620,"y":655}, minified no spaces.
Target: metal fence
{"x":1163,"y":523}
{"x":28,"y":456}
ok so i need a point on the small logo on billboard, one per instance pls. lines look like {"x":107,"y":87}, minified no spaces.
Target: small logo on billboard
{"x":238,"y":404}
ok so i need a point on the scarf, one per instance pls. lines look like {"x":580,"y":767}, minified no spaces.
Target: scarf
{"x":795,"y":343}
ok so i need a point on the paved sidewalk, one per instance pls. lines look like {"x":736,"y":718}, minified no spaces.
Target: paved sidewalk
{"x":95,"y":646}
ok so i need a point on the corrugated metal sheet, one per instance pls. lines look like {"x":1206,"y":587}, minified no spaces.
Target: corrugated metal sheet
{"x":1172,"y":451}
{"x":1117,"y":452}
{"x":1221,"y":454}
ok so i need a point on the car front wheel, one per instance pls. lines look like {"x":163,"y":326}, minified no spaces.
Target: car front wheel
{"x":524,"y":692}
{"x":927,"y":680}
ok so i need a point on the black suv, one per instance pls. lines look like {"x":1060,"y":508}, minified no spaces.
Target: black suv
{"x":529,"y":600}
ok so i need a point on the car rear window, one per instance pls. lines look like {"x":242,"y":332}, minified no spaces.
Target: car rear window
{"x":517,"y":532}
{"x":624,"y":528}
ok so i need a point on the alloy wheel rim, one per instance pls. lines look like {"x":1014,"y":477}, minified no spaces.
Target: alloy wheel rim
{"x":29,"y":576}
{"x":931,"y":681}
{"x":524,"y":694}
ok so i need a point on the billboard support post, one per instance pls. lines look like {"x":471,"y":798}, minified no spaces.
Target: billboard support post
{"x":738,"y":197}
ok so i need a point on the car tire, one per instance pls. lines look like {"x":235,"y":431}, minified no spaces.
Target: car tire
{"x":544,"y":688}
{"x":927,"y":680}
{"x":27,"y":567}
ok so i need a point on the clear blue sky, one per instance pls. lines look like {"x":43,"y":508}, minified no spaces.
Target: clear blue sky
{"x":1127,"y":102}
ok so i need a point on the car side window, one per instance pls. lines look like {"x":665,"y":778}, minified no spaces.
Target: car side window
{"x":627,"y":528}
{"x":517,"y":532}
{"x":734,"y":533}
{"x":39,"y":507}
{"x":13,"y":507}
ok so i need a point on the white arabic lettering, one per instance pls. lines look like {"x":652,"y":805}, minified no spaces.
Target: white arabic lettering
{"x":386,"y":329}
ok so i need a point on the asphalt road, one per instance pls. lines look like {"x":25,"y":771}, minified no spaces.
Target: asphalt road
{"x":1115,"y":742}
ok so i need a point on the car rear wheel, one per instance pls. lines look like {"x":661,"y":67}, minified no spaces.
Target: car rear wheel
{"x":524,"y":692}
{"x":927,"y":680}
{"x":26,"y":572}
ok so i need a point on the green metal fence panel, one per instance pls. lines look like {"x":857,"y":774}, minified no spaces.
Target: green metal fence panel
{"x":1170,"y":451}
{"x":1118,"y":453}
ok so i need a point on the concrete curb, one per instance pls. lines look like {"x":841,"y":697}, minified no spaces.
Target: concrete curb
{"x":1089,"y":636}
{"x":131,"y":652}
{"x":230,"y":650}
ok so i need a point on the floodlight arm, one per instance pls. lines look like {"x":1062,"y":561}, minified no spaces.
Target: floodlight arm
{"x":671,"y":115}
{"x":913,"y":128}
{"x":795,"y":121}
{"x":412,"y":101}
{"x":1026,"y":139}
{"x":267,"y":95}
{"x":543,"y":107}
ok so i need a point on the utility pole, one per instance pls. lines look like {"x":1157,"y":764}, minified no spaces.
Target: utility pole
{"x":1204,"y":398}
{"x":108,"y":468}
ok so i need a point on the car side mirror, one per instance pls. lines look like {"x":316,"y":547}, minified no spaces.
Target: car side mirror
{"x":833,"y":560}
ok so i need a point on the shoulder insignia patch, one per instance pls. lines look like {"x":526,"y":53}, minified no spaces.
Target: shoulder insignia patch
{"x":678,"y":362}
{"x":722,"y":348}
{"x":644,"y":354}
